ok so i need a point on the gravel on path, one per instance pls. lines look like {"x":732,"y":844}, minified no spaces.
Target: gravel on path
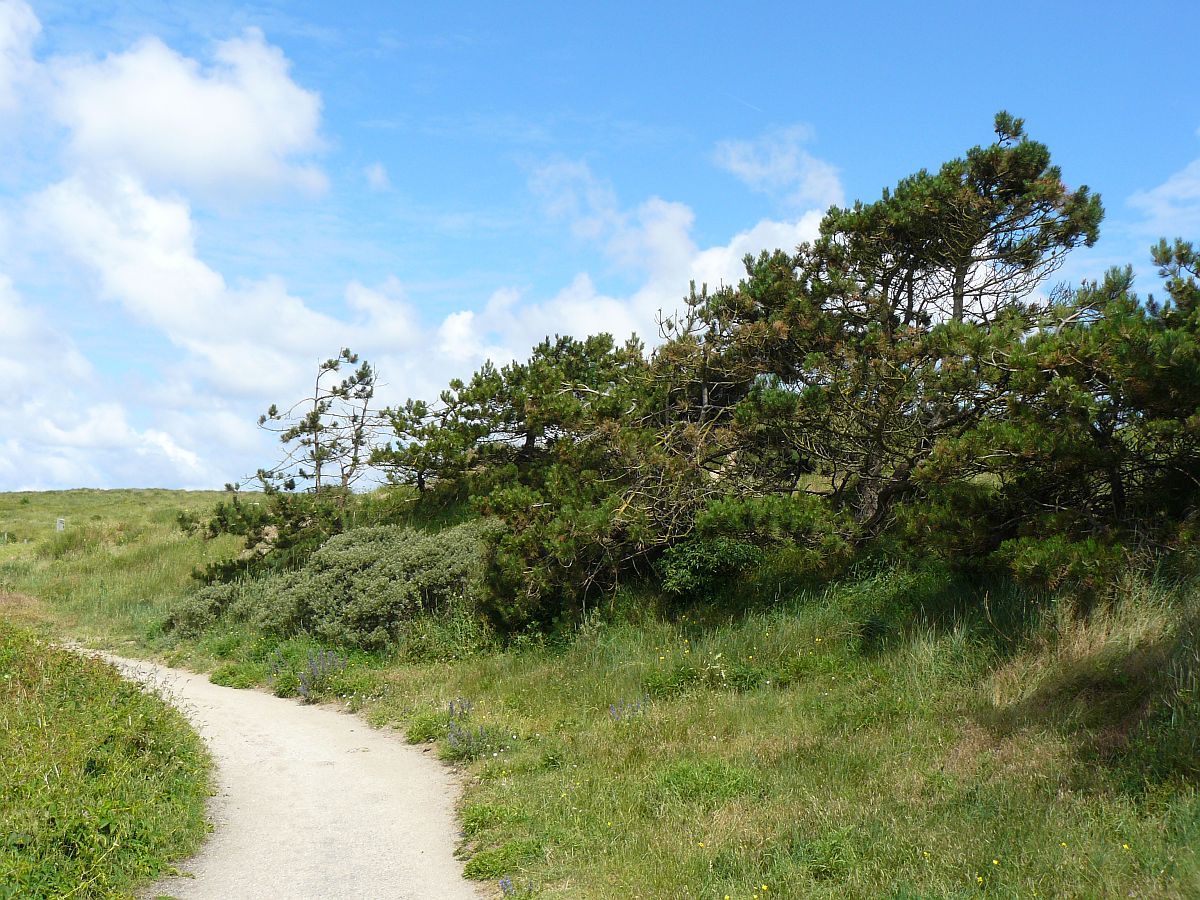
{"x":311,"y":803}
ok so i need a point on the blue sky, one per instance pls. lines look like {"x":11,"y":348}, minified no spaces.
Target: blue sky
{"x":198,"y":201}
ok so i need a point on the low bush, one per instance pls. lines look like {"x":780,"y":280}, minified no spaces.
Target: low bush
{"x":361,"y":586}
{"x":368,"y":588}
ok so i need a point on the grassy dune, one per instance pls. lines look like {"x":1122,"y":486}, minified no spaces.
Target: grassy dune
{"x":105,"y":578}
{"x":892,"y":735}
{"x":101,"y":784}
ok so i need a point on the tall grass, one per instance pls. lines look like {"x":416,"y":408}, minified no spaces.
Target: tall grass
{"x":101,"y":784}
{"x":119,"y":559}
{"x":799,"y":749}
{"x":900,"y":733}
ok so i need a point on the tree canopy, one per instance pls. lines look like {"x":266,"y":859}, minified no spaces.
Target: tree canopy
{"x":908,"y":381}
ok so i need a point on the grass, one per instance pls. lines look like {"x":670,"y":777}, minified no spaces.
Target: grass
{"x":892,"y":735}
{"x":102,"y":784}
{"x":104,"y":578}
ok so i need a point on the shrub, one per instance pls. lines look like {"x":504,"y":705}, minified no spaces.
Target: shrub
{"x":1080,"y":568}
{"x":368,"y":588}
{"x":197,"y":612}
{"x":360,"y":587}
{"x":690,"y":566}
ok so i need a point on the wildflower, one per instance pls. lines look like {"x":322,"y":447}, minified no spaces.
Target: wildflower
{"x":1124,"y":846}
{"x":995,"y":862}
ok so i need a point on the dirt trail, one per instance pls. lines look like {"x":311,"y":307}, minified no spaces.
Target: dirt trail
{"x":311,"y":803}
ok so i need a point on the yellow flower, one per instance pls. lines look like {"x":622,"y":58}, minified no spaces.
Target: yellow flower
{"x":1125,"y":846}
{"x":995,"y":862}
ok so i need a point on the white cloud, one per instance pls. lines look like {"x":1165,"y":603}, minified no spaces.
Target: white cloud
{"x":777,"y":164}
{"x":141,"y":250}
{"x":569,"y":190}
{"x":385,"y":313}
{"x":239,"y":123}
{"x":32,"y":352}
{"x":1172,"y":209}
{"x":652,"y":240}
{"x":58,"y":432}
{"x":377,"y":177}
{"x":18,"y":29}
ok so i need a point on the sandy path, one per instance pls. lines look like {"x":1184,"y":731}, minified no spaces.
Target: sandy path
{"x":311,"y":803}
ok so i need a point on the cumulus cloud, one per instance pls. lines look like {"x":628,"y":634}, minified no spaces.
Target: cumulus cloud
{"x":652,"y":241}
{"x":57,"y":431}
{"x":18,"y":29}
{"x":778,"y":165}
{"x":141,"y":251}
{"x":240,"y":122}
{"x":254,"y":339}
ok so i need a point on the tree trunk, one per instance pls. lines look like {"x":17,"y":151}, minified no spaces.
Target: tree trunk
{"x":959,"y":290}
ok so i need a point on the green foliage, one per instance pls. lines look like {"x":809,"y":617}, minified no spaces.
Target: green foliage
{"x":102,"y":784}
{"x":285,"y":683}
{"x":238,"y":674}
{"x":369,"y":588}
{"x":197,"y":612}
{"x":672,"y":681}
{"x":904,"y":707}
{"x":693,"y":565}
{"x":359,"y":588}
{"x":898,"y":387}
{"x":1066,"y":567}
{"x":425,"y":724}
{"x":327,"y":433}
{"x":479,"y":817}
{"x":457,"y":633}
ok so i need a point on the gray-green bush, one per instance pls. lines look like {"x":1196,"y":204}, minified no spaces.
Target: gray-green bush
{"x":360,"y":589}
